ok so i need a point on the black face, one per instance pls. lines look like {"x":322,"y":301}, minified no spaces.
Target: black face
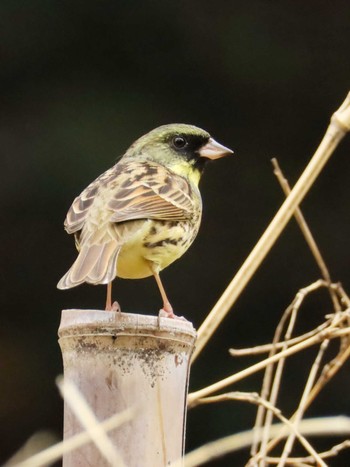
{"x":188,"y":145}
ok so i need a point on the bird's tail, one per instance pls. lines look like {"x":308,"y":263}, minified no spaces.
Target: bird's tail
{"x":95,"y":264}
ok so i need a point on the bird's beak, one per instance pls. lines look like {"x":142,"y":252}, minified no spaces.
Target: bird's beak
{"x":214,"y":150}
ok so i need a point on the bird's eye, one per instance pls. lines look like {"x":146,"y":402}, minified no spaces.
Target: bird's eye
{"x":179,"y":142}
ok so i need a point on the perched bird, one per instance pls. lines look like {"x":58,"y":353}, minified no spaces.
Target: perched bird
{"x":142,"y":214}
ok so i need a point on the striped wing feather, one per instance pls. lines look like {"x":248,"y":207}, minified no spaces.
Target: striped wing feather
{"x":161,"y":197}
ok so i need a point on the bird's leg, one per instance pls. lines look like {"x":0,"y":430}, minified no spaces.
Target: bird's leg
{"x":109,"y":305}
{"x":109,"y":297}
{"x":166,"y":304}
{"x":167,"y":308}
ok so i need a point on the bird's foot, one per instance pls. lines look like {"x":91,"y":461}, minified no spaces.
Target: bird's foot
{"x":114,"y":307}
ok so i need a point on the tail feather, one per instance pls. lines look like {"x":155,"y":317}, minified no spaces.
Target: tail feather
{"x":95,"y":264}
{"x":104,"y":269}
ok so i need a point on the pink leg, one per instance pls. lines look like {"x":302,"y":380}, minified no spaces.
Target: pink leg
{"x":109,"y":305}
{"x":167,"y":308}
{"x":109,"y":297}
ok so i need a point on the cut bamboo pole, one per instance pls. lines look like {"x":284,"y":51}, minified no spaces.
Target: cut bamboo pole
{"x":119,"y":361}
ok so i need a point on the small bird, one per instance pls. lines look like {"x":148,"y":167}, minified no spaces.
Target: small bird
{"x":143,"y":213}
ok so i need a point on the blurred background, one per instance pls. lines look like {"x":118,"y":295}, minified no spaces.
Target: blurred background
{"x":80,"y":81}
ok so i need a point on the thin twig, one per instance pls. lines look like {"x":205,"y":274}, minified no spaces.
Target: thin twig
{"x":274,"y":441}
{"x":328,"y":333}
{"x":335,"y":426}
{"x":329,"y":371}
{"x":310,"y":240}
{"x":268,"y":379}
{"x":332,"y":452}
{"x":280,"y":366}
{"x":303,"y":402}
{"x":337,"y":320}
{"x":265,"y":348}
{"x":336,"y":363}
{"x":339,"y":125}
{"x":254,"y":398}
{"x":55,"y":452}
{"x":308,"y":387}
{"x":343,"y":295}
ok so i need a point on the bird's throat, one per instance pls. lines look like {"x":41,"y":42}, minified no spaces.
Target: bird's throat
{"x":189,"y":171}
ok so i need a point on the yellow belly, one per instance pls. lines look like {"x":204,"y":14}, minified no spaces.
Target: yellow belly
{"x":154,"y":243}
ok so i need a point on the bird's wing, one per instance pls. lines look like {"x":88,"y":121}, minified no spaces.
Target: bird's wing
{"x":150,"y":191}
{"x":128,"y":191}
{"x":138,"y":190}
{"x":79,"y":209}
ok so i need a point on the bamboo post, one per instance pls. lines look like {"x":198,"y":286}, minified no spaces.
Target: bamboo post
{"x":120,"y":361}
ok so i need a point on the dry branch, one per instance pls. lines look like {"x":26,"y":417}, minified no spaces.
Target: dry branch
{"x":327,"y":426}
{"x":339,"y":125}
{"x":86,"y":416}
{"x":55,"y":452}
{"x":328,"y":333}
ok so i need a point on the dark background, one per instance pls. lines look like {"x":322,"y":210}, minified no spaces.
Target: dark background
{"x":80,"y":80}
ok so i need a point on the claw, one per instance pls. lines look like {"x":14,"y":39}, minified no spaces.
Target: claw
{"x":116,"y":307}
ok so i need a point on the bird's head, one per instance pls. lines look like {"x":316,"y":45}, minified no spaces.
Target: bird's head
{"x":182,"y":148}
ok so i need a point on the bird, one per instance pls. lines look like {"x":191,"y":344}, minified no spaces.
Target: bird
{"x":143,"y":213}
